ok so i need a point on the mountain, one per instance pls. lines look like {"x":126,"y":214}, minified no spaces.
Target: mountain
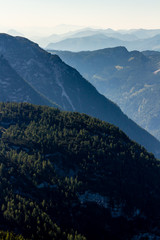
{"x":152,"y":43}
{"x":69,"y":176}
{"x":44,"y":41}
{"x":107,"y":32}
{"x":92,"y":42}
{"x":102,"y":40}
{"x":65,"y":28}
{"x":142,"y":33}
{"x":124,"y":35}
{"x":14,"y":32}
{"x":131,"y":79}
{"x":59,"y":32}
{"x":62,"y":84}
{"x":14,"y":89}
{"x":154,"y":56}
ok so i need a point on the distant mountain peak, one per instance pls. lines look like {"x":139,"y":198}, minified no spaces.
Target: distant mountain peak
{"x":14,"y":32}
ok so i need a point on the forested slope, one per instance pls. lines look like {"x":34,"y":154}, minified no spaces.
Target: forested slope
{"x":66,"y":175}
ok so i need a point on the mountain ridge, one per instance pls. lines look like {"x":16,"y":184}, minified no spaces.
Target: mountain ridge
{"x":100,"y":41}
{"x":125,"y":35}
{"x":63,"y":85}
{"x":131,"y":79}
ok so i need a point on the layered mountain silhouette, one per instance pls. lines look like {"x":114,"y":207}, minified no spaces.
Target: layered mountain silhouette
{"x":131,"y":79}
{"x":85,"y":32}
{"x":62,"y":84}
{"x":124,"y":35}
{"x":93,"y":42}
{"x":100,"y":40}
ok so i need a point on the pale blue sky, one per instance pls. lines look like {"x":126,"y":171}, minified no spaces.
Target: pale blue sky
{"x":116,"y":14}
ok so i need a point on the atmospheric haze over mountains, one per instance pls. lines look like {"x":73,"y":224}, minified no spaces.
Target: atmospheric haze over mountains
{"x":79,"y":38}
{"x":80,"y":120}
{"x":58,"y":83}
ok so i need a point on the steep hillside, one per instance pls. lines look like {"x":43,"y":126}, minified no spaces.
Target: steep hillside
{"x":154,"y":57}
{"x":14,"y":89}
{"x":131,"y":79}
{"x":63,"y":85}
{"x":66,"y":175}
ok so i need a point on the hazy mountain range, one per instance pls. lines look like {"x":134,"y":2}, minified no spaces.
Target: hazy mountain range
{"x":13,"y":32}
{"x":63,"y":85}
{"x":74,"y":38}
{"x":65,"y":175}
{"x":131,"y":79}
{"x":100,"y":41}
{"x":86,"y":32}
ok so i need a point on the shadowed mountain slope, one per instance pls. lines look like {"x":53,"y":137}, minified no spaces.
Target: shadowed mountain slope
{"x":63,"y":85}
{"x":131,"y":79}
{"x":14,"y":89}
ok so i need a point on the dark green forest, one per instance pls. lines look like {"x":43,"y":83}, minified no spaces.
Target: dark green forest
{"x":69,"y":176}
